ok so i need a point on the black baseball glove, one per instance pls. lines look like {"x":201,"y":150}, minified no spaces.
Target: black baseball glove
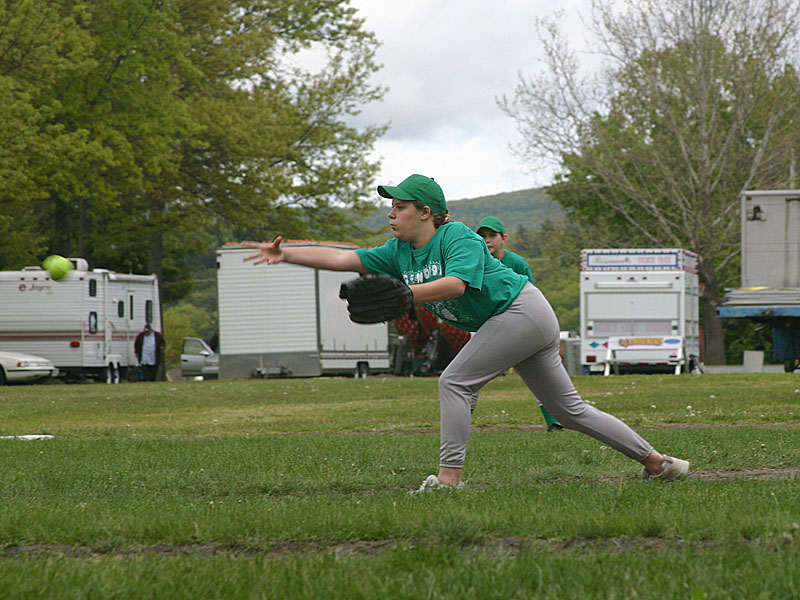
{"x":376,"y":298}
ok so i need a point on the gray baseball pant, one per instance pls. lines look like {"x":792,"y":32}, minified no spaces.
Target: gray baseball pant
{"x":526,"y":337}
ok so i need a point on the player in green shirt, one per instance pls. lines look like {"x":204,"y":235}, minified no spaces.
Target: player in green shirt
{"x":493,"y":232}
{"x":450,"y":270}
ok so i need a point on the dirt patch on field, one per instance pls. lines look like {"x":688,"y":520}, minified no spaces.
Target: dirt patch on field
{"x":752,"y":474}
{"x":541,"y":428}
{"x":747,"y":474}
{"x":509,"y":546}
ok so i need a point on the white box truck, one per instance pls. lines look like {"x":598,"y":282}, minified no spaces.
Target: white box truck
{"x":85,"y":323}
{"x":288,"y":320}
{"x":639,"y":310}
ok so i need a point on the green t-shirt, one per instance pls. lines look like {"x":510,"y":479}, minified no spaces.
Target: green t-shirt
{"x":454,"y":250}
{"x":519,"y":264}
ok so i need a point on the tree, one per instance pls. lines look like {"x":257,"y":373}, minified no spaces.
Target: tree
{"x":698,"y":100}
{"x":39,"y":43}
{"x":274,"y":153}
{"x":142,"y":123}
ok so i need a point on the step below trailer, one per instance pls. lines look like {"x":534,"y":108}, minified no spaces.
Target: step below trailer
{"x":85,"y":324}
{"x":287,"y":320}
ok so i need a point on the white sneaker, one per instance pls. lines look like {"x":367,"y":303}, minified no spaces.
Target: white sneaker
{"x":671,"y":468}
{"x":433,"y":483}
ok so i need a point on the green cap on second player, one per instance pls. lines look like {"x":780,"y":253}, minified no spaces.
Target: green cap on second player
{"x":492,"y":223}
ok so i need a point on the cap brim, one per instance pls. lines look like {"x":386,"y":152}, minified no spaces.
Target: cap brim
{"x":390,"y":191}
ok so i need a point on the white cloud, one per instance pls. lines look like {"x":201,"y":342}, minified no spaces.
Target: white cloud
{"x":446,"y":62}
{"x":465,"y":169}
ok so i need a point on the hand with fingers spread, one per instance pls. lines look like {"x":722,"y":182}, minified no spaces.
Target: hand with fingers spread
{"x":267,"y":252}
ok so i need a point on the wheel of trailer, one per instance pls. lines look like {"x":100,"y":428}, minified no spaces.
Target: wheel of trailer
{"x":695,"y":365}
{"x":362,"y":370}
{"x":791,"y":365}
{"x":2,"y":376}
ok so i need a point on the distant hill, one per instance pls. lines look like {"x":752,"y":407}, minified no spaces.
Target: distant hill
{"x":524,"y":207}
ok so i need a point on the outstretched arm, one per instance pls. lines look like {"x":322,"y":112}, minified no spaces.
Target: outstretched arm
{"x":317,"y":257}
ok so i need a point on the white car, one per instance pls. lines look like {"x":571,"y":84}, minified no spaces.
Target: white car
{"x":16,"y":367}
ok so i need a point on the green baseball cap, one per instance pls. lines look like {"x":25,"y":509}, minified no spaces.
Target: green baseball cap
{"x":417,"y":187}
{"x":492,"y":223}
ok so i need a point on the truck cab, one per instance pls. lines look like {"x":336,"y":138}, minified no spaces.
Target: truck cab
{"x":198,"y":359}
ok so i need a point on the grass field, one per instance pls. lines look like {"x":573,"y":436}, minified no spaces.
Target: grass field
{"x":299,"y":489}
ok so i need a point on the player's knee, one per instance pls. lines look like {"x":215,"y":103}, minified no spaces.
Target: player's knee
{"x":452,"y":388}
{"x":571,"y":414}
{"x":449,"y":384}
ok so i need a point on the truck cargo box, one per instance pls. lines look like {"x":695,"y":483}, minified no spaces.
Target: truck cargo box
{"x":288,"y":320}
{"x":770,"y":238}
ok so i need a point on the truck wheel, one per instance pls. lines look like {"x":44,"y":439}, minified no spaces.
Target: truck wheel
{"x":2,"y":377}
{"x":791,"y":364}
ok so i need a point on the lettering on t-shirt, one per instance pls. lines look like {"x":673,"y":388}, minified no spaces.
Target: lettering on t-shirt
{"x":432,"y":270}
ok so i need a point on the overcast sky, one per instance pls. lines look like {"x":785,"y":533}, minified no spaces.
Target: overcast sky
{"x":446,"y":62}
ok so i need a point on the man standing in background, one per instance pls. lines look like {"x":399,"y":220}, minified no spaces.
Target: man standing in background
{"x":149,"y":348}
{"x":493,"y":232}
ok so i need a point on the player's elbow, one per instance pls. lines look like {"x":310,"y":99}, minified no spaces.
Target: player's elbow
{"x":457,"y":287}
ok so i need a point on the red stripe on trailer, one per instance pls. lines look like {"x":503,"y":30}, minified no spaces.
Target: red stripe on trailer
{"x":38,"y":335}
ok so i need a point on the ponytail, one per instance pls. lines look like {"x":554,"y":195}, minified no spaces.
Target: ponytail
{"x":441,"y":219}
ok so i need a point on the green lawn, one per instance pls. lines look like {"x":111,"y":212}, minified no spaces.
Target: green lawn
{"x":299,"y":489}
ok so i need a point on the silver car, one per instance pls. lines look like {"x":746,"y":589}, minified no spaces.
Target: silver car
{"x":198,"y":359}
{"x":16,"y":367}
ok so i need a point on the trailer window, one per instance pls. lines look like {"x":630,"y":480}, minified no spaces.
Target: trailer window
{"x":92,"y":322}
{"x":130,"y":303}
{"x":121,"y":308}
{"x":93,"y":287}
{"x":148,"y":311}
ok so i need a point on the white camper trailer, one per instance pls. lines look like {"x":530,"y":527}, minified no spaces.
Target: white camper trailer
{"x":639,"y":310}
{"x":85,"y":323}
{"x":288,"y":320}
